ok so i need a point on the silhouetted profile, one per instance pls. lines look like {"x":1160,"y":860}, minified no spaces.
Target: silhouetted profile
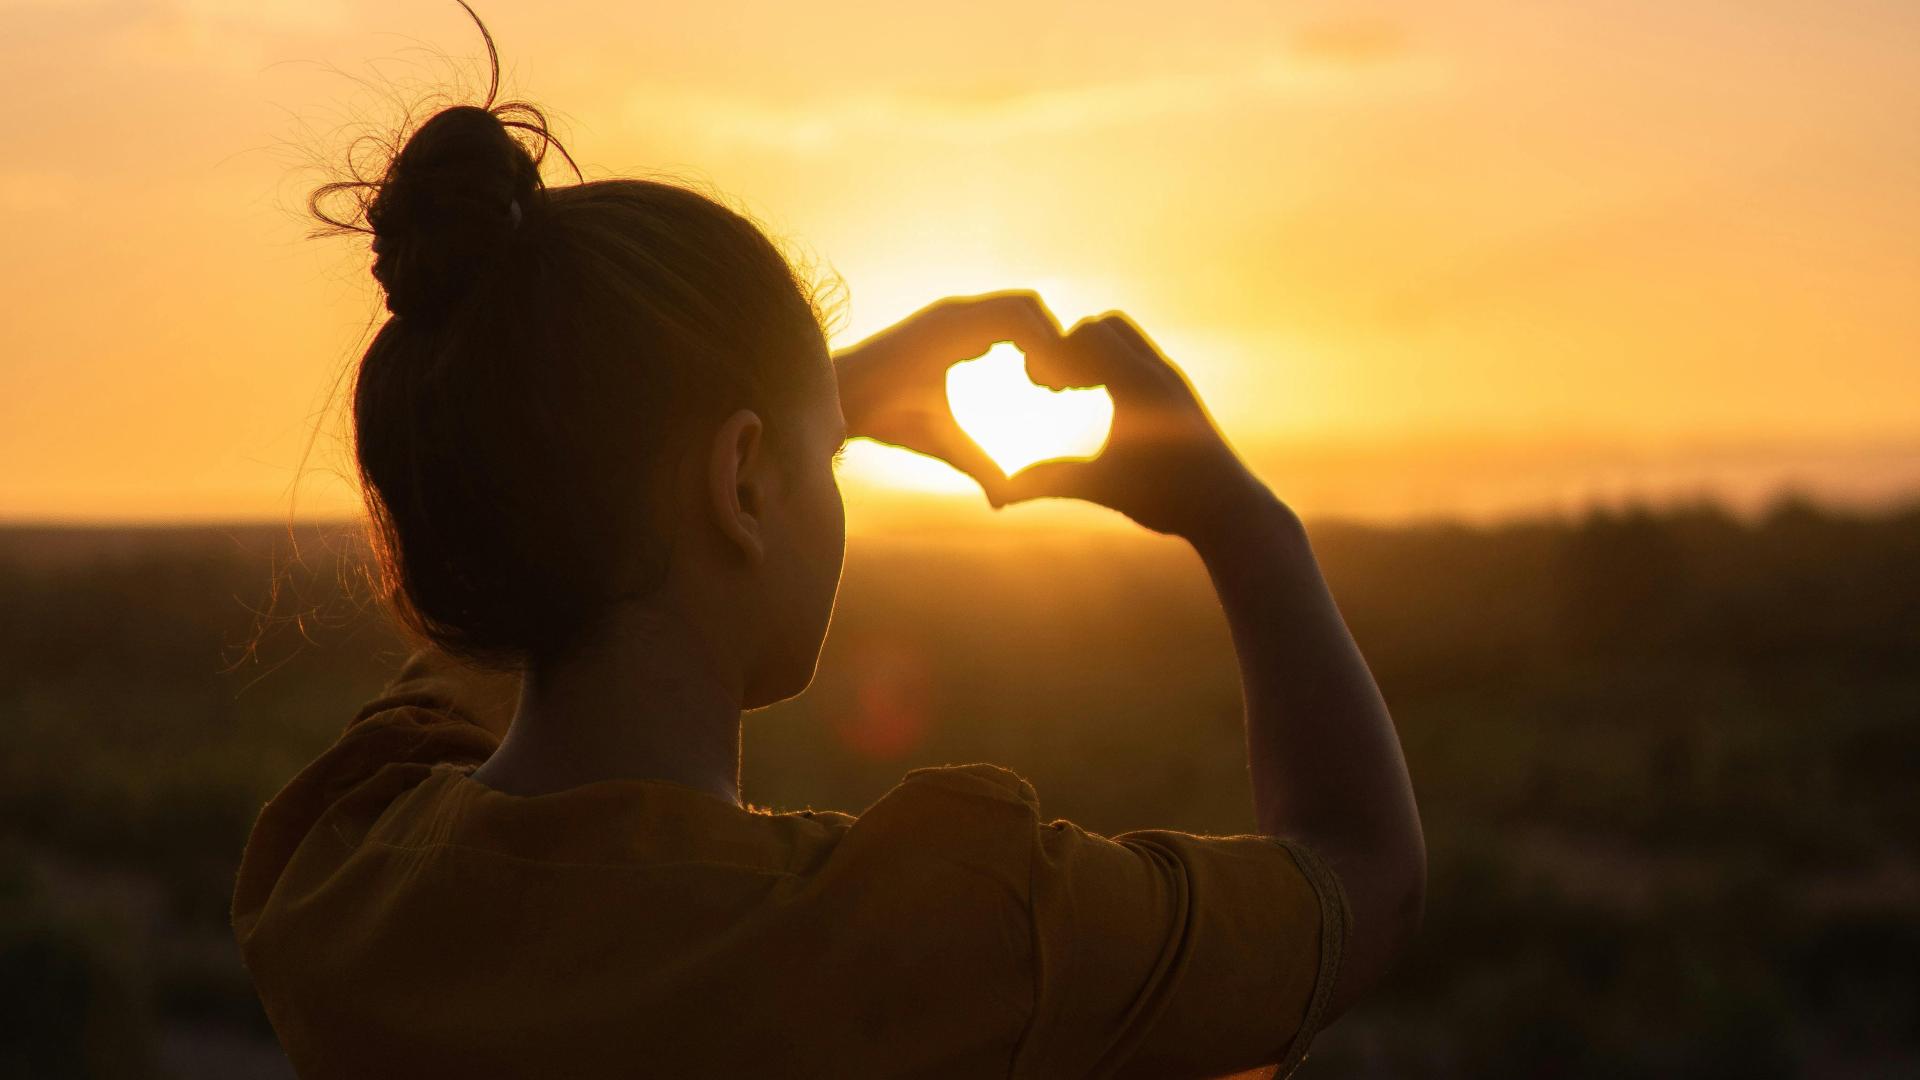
{"x":597,"y":438}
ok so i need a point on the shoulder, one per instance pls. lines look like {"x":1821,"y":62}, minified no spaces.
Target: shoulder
{"x":437,"y":685}
{"x":977,"y":779}
{"x":982,"y":785}
{"x":977,"y":819}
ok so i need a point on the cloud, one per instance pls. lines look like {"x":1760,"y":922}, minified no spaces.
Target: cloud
{"x":1349,"y":41}
{"x":223,"y":35}
{"x":31,"y":192}
{"x":821,"y":124}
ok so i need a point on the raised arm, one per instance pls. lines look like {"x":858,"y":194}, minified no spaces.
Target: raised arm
{"x":1325,"y":760}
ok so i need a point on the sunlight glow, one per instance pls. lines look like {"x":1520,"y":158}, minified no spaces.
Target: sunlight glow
{"x":1018,"y":422}
{"x":1014,"y":420}
{"x":1368,"y":240}
{"x":870,"y":464}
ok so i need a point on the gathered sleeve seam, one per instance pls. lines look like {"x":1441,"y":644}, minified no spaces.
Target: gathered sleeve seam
{"x":1336,"y":920}
{"x":1022,"y":1047}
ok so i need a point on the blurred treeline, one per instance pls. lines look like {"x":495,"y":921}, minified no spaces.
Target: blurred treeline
{"x":1666,"y":759}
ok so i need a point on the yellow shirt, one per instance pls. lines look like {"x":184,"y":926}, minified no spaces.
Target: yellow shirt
{"x":402,"y":919}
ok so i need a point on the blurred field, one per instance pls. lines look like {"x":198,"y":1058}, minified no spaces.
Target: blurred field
{"x":1666,"y":760}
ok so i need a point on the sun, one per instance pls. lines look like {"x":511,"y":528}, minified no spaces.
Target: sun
{"x":1018,"y":422}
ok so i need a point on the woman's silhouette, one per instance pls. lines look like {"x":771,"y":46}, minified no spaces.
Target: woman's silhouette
{"x":597,"y":437}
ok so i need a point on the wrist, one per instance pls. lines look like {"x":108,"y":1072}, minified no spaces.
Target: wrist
{"x":852,"y":380}
{"x":1249,"y":513}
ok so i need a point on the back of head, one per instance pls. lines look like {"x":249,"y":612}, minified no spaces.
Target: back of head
{"x":548,"y":351}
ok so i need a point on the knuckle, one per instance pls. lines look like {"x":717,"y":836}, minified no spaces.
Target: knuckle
{"x":932,"y":315}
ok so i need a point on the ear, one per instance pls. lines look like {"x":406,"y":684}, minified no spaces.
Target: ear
{"x":736,"y":482}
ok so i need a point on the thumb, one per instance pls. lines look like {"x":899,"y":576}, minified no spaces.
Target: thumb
{"x":1063,"y":478}
{"x":958,"y":449}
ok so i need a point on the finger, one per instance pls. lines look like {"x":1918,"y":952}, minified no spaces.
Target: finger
{"x":1073,"y":364}
{"x":955,"y":447}
{"x":964,"y":454}
{"x":968,"y":326}
{"x":1095,"y":353}
{"x":1151,"y":356}
{"x":1063,"y":479}
{"x":1024,"y":319}
{"x":1129,"y":332}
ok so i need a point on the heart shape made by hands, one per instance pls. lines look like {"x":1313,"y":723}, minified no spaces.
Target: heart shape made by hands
{"x":1017,"y":421}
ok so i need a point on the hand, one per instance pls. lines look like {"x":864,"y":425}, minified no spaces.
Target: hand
{"x":1165,"y":464}
{"x":893,"y":385}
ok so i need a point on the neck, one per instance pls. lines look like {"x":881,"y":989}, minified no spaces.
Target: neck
{"x":651,"y":698}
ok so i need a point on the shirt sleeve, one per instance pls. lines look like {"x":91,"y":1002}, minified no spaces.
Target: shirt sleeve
{"x":1165,"y":954}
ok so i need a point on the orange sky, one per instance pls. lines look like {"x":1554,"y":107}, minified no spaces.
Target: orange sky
{"x":1421,"y":258}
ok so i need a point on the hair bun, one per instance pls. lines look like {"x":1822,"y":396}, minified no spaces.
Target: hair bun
{"x":447,"y":207}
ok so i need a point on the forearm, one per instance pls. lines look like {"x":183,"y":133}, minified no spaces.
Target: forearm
{"x":1325,"y":759}
{"x":850,"y":367}
{"x":1322,"y":747}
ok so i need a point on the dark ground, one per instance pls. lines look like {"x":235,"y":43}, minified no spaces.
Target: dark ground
{"x":1666,"y":760}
